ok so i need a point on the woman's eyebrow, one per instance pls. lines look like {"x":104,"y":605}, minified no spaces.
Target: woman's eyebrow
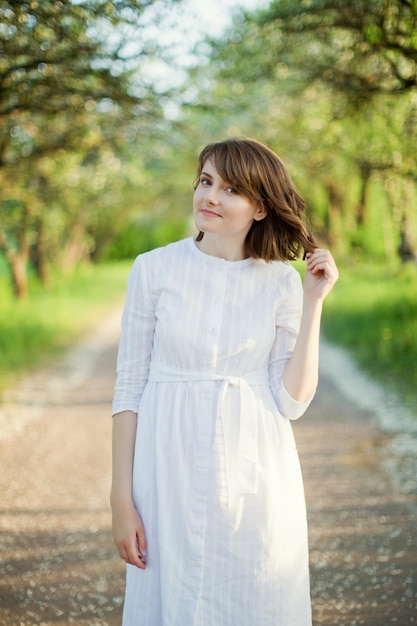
{"x":206,"y":174}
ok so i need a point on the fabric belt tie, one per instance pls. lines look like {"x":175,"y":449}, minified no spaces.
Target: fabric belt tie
{"x":237,"y":419}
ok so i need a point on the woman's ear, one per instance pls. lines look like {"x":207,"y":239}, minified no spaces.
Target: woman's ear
{"x":260,"y":214}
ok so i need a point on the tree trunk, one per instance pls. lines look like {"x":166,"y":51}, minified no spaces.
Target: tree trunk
{"x":17,"y":260}
{"x":75,"y":249}
{"x":18,"y":257}
{"x":19,"y":276}
{"x":365,"y":176}
{"x":334,"y":215}
{"x":408,"y":248}
{"x":40,"y":256}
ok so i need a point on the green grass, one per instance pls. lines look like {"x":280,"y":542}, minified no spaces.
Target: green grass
{"x":372,"y":311}
{"x":33,"y":331}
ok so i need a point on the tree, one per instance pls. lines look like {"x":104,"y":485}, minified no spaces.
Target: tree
{"x":68,"y":84}
{"x":362,"y":47}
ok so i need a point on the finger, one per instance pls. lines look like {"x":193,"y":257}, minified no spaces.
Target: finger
{"x":135,"y":558}
{"x":319,"y":254}
{"x":142,"y":544}
{"x":317,"y":257}
{"x":131,"y":558}
{"x":319,"y":265}
{"x":131,"y":555}
{"x":321,"y":260}
{"x":123,"y":555}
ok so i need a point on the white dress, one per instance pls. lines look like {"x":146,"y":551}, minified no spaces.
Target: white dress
{"x":217,"y":480}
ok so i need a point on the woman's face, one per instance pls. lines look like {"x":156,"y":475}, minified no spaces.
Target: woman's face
{"x":219,"y":209}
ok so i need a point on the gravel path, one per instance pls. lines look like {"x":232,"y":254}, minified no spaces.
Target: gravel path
{"x":58,"y":565}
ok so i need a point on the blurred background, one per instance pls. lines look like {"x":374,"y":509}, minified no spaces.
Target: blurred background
{"x":104,"y":107}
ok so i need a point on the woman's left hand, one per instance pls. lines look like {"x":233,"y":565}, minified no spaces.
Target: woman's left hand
{"x":321,"y":275}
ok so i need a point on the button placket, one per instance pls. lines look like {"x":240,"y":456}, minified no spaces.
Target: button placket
{"x":215,"y":313}
{"x":201,"y":457}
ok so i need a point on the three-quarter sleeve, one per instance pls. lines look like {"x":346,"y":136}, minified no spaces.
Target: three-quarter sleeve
{"x":136,"y":342}
{"x":287,"y":323}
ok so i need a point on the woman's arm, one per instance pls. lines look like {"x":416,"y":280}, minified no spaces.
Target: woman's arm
{"x":128,"y":531}
{"x":133,"y":360}
{"x":302,"y":370}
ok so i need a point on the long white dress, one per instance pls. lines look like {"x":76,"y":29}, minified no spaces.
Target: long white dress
{"x":217,"y":479}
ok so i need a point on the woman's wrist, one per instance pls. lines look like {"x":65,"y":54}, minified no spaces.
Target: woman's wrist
{"x":120,"y":499}
{"x":313,"y":302}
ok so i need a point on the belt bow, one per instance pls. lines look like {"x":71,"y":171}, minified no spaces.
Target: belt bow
{"x":237,"y":422}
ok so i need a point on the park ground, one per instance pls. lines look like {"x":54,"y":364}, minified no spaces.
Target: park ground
{"x":58,"y":565}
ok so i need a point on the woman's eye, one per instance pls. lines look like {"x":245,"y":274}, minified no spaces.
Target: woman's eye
{"x":204,"y":181}
{"x":231,"y":190}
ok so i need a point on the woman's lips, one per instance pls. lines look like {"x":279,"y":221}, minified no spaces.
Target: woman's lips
{"x":209,"y":213}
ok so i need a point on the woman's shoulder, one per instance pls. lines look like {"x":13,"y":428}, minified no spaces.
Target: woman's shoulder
{"x":280,"y":276}
{"x":280,"y":269}
{"x":155,"y":267}
{"x":163,"y":254}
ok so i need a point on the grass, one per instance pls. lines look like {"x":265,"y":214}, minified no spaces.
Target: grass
{"x":372,"y":311}
{"x":33,"y":331}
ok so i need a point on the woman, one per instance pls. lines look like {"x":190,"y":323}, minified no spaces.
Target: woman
{"x":219,"y":351}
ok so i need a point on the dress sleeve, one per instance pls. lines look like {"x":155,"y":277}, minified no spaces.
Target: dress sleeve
{"x":287,"y":325}
{"x":136,"y":342}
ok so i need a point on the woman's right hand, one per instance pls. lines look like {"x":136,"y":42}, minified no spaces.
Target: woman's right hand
{"x":129,"y":534}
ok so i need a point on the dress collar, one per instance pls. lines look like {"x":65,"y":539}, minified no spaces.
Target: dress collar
{"x":215,"y":260}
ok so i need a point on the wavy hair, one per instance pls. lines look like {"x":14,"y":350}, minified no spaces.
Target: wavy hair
{"x":255,"y":171}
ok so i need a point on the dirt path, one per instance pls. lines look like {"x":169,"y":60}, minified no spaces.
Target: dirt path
{"x":58,"y":565}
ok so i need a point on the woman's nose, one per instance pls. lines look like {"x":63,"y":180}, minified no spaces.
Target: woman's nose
{"x":212,"y":195}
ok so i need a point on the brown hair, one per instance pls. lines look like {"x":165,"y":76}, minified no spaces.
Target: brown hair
{"x":259,"y":174}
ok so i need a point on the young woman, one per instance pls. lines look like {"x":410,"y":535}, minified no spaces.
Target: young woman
{"x":219,"y":351}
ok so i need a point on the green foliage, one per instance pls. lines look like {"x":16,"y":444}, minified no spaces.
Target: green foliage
{"x":373,"y":312}
{"x":361,"y":47}
{"x":146,"y":234}
{"x":72,"y":99}
{"x":162,"y":207}
{"x":3,"y":266}
{"x":48,"y":323}
{"x":66,"y":75}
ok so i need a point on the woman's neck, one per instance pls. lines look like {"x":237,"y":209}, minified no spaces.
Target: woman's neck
{"x":223,"y":248}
